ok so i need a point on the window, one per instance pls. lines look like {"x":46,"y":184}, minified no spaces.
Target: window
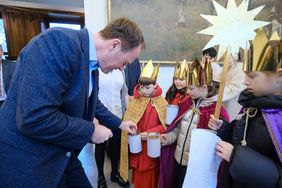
{"x":2,"y":36}
{"x":64,"y":19}
{"x":71,"y":26}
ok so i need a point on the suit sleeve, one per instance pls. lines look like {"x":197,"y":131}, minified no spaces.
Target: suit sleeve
{"x":253,"y":169}
{"x":105,"y":117}
{"x":47,"y":71}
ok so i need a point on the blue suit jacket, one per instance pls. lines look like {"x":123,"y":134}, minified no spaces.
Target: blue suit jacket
{"x":47,"y":114}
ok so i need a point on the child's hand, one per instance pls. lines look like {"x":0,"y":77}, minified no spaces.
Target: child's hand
{"x":144,"y":135}
{"x":214,"y":124}
{"x":163,"y":139}
{"x":224,"y":150}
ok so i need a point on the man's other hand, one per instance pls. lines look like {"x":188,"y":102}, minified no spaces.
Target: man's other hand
{"x":101,"y":134}
{"x":128,"y":126}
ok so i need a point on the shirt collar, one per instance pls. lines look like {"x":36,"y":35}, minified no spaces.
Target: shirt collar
{"x":92,"y":52}
{"x":92,"y":49}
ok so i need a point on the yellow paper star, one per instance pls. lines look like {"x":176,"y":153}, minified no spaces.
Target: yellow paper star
{"x":233,"y":27}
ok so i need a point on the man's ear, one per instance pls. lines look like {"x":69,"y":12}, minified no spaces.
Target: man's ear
{"x":115,"y":43}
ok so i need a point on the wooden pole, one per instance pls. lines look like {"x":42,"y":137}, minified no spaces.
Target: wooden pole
{"x":222,"y":84}
{"x":109,"y":10}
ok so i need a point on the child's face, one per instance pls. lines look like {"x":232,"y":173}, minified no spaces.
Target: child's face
{"x":147,"y":91}
{"x":179,"y":83}
{"x":260,"y":83}
{"x":207,"y":57}
{"x":196,"y":92}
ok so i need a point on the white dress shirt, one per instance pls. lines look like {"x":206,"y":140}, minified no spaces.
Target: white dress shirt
{"x":110,"y":86}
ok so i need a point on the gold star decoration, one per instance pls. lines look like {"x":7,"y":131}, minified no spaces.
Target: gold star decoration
{"x":233,"y":26}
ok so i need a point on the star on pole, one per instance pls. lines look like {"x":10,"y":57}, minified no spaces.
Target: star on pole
{"x":233,"y":27}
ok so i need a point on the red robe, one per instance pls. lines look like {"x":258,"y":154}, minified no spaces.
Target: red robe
{"x":177,"y":100}
{"x":145,"y":170}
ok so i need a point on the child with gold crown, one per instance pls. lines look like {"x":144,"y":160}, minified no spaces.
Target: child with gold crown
{"x":177,"y":92}
{"x":193,"y":113}
{"x":254,"y":155}
{"x":148,"y":110}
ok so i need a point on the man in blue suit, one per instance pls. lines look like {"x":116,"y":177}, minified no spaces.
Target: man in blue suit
{"x":47,"y":117}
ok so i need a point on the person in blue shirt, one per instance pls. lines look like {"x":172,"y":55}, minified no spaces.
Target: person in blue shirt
{"x":132,"y":75}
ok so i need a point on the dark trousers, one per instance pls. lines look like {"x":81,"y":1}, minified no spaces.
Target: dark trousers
{"x":74,"y":175}
{"x":113,"y":152}
{"x":179,"y":175}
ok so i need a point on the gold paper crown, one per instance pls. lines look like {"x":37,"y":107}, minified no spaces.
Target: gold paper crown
{"x":149,"y":72}
{"x":199,"y":76}
{"x":181,"y":70}
{"x":264,"y":54}
{"x":193,"y":76}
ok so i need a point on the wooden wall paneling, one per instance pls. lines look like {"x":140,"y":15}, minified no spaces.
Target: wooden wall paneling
{"x":20,"y":26}
{"x":15,"y":34}
{"x":32,"y":25}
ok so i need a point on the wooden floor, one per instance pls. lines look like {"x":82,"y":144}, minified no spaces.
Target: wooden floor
{"x":88,"y":162}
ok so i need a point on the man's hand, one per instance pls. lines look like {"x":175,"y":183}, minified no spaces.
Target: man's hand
{"x":101,"y":134}
{"x":128,"y":126}
{"x":95,"y":121}
{"x":224,"y":150}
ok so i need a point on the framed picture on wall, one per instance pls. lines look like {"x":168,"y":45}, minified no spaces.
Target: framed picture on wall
{"x":170,"y":26}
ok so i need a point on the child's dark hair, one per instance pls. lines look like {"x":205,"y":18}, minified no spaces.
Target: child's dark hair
{"x":172,"y":91}
{"x":213,"y":89}
{"x":211,"y":52}
{"x":146,"y":81}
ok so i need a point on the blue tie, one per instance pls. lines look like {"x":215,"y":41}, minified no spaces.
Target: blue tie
{"x":93,"y":65}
